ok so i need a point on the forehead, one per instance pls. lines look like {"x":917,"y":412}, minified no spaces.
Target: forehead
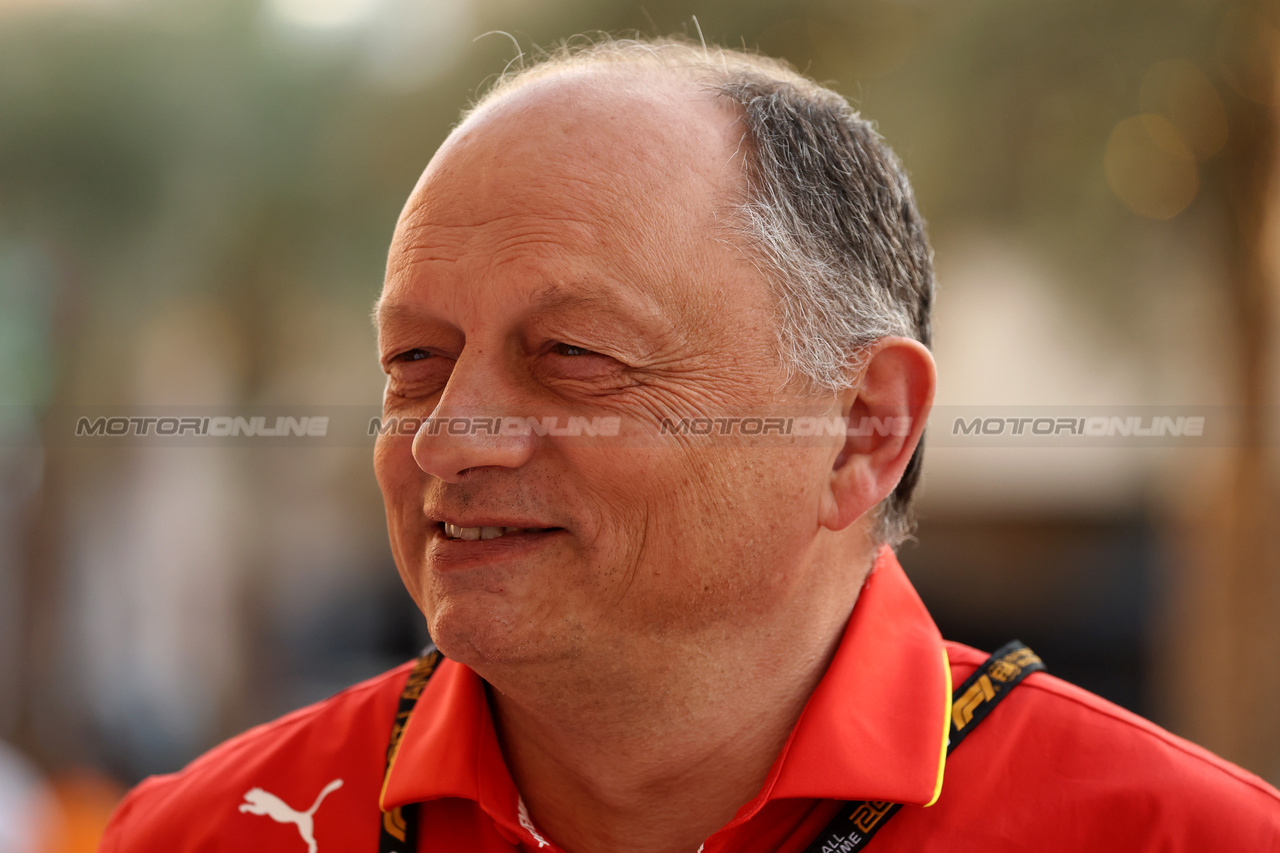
{"x":612,"y":172}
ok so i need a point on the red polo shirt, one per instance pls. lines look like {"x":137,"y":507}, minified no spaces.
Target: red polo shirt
{"x":1053,"y":768}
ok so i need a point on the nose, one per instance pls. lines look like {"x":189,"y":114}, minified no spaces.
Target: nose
{"x":465,"y":431}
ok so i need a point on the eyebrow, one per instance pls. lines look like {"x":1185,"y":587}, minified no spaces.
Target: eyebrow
{"x":393,"y":311}
{"x":581,"y":292}
{"x":587,"y":292}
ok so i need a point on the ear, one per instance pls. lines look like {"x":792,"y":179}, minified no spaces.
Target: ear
{"x":885,"y":414}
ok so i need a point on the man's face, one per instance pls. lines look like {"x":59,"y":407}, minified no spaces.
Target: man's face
{"x":565,"y":255}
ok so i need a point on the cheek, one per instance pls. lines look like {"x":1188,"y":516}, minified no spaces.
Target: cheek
{"x":400,"y":481}
{"x":779,"y":490}
{"x":665,"y":523}
{"x":756,"y":508}
{"x":397,"y":473}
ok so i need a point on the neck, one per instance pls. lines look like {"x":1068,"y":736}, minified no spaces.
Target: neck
{"x":651,"y":750}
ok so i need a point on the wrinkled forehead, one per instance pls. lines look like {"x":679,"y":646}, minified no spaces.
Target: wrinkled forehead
{"x":644,"y":149}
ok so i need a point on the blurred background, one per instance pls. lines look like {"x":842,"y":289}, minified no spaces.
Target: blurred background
{"x":195,"y":204}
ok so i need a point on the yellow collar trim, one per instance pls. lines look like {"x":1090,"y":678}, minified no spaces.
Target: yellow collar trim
{"x":946,"y":729}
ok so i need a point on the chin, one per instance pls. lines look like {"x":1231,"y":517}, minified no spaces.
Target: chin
{"x":473,"y":635}
{"x":483,"y":637}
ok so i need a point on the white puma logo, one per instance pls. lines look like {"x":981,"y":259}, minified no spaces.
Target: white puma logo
{"x":258,"y":801}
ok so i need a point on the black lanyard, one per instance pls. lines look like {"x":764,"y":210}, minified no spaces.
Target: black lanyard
{"x":399,"y":830}
{"x":853,"y":826}
{"x":858,"y":821}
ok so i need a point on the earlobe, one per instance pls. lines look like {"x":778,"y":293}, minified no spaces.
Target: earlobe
{"x":885,"y":417}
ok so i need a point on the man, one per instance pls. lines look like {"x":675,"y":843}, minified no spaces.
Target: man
{"x":661,"y":637}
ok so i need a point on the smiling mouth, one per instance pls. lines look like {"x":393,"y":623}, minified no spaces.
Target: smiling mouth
{"x":452,"y":531}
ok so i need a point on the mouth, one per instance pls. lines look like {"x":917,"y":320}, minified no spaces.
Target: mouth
{"x":461,"y":547}
{"x":471,"y":534}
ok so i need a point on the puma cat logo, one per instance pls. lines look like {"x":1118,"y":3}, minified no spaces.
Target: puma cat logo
{"x":258,"y":801}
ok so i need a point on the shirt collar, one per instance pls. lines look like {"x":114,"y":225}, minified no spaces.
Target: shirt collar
{"x":874,"y":729}
{"x":450,"y":749}
{"x":876,"y":726}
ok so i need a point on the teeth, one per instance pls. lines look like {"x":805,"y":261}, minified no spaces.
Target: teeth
{"x":470,"y":534}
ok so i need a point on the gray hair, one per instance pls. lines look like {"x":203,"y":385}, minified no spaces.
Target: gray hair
{"x":827,"y":213}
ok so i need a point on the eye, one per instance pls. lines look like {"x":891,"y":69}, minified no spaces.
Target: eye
{"x":573,"y":368}
{"x":417,"y":372}
{"x":571,"y":350}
